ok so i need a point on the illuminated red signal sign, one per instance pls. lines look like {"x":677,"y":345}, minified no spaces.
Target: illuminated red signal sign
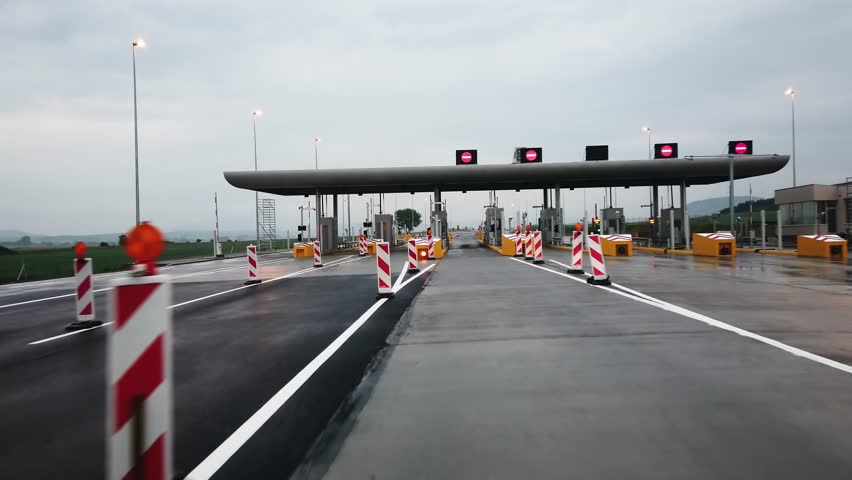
{"x":465,"y":157}
{"x":740,"y":147}
{"x":532,"y":155}
{"x":665,"y":150}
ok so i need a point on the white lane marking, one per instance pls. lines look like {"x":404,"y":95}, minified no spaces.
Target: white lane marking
{"x":227,"y":269}
{"x":400,"y":277}
{"x":10,"y":305}
{"x":210,"y":465}
{"x":655,"y":302}
{"x":300,"y":272}
{"x":634,"y":292}
{"x":67,"y":334}
{"x":430,"y":267}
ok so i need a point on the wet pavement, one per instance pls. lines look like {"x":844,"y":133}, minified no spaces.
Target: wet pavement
{"x":232,"y":352}
{"x":504,"y":370}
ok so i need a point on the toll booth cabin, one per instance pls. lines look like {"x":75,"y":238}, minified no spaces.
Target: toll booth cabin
{"x":612,"y":220}
{"x":617,"y":245}
{"x":824,"y":246}
{"x":719,"y":244}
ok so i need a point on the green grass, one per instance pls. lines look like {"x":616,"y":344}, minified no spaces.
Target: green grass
{"x":42,"y":264}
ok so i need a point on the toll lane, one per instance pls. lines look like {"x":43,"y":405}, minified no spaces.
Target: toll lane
{"x":505,"y":370}
{"x":231,"y":354}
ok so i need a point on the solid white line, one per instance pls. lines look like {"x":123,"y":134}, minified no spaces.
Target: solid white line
{"x":210,"y":465}
{"x":655,"y":302}
{"x":124,"y":273}
{"x":67,"y":334}
{"x":300,"y":272}
{"x":46,"y":299}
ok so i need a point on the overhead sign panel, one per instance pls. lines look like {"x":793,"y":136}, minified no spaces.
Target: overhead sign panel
{"x":740,"y":147}
{"x":665,"y":150}
{"x":527,"y":155}
{"x":597,"y":152}
{"x":465,"y":157}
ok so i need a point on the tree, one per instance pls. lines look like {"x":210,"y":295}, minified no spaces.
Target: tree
{"x":197,"y":240}
{"x":122,"y":240}
{"x":104,"y":244}
{"x":25,"y":241}
{"x":408,"y":218}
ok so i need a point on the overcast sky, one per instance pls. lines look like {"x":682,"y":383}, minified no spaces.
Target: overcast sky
{"x":390,"y":83}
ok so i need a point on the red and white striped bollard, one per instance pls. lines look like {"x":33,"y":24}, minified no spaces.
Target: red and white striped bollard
{"x":362,"y":246}
{"x":412,"y":256}
{"x":317,"y":254}
{"x":528,"y":246}
{"x":139,"y":379}
{"x":251,"y":256}
{"x":519,"y":245}
{"x":431,"y":250}
{"x":538,"y":245}
{"x":383,"y":269}
{"x":577,"y":254}
{"x":599,"y":276}
{"x":85,"y":297}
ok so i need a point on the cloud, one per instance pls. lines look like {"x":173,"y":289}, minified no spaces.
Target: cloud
{"x":390,"y":84}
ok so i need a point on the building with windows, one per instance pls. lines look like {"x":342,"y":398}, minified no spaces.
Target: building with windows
{"x":816,"y":209}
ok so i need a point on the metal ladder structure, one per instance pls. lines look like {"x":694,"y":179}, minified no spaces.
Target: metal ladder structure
{"x":849,"y":207}
{"x":268,"y":228}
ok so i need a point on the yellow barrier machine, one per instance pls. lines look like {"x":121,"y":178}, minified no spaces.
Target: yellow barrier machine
{"x":719,"y":244}
{"x":824,"y":246}
{"x":620,"y":245}
{"x":303,"y":250}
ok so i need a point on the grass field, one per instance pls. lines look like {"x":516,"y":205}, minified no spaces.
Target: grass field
{"x":41,"y":264}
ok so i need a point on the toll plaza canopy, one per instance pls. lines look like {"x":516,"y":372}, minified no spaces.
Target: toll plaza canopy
{"x":587,"y":174}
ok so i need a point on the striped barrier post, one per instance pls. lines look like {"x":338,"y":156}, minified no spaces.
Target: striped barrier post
{"x":577,"y":254}
{"x":431,"y":255}
{"x":539,"y":248}
{"x":599,"y":276}
{"x":251,"y":255}
{"x":528,"y":246}
{"x":85,"y":297}
{"x":362,"y":246}
{"x":412,"y":256}
{"x":317,"y":254}
{"x":139,"y":379}
{"x":383,"y":269}
{"x":519,"y":245}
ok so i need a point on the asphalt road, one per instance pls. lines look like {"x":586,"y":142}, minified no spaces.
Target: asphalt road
{"x":232,"y":352}
{"x":501,"y":369}
{"x":484,"y":367}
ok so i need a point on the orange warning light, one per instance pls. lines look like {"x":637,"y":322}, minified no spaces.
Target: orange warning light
{"x":429,"y":231}
{"x":578,"y":227}
{"x":144,"y":243}
{"x":422,"y":253}
{"x":80,"y":250}
{"x":529,"y":228}
{"x":517,"y":229}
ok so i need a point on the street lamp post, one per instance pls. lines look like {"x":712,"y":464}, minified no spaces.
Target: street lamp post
{"x":254,"y":115}
{"x":647,"y":130}
{"x":792,"y":94}
{"x":138,"y":43}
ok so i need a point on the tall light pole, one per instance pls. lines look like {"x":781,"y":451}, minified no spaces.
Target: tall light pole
{"x":138,"y":43}
{"x":316,"y":153}
{"x":254,"y":115}
{"x":647,"y":130}
{"x":792,"y":94}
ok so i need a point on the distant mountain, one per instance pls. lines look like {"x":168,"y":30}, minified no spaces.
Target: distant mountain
{"x":709,"y":206}
{"x":11,"y":235}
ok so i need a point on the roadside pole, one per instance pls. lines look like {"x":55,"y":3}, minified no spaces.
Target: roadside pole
{"x":763,"y":229}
